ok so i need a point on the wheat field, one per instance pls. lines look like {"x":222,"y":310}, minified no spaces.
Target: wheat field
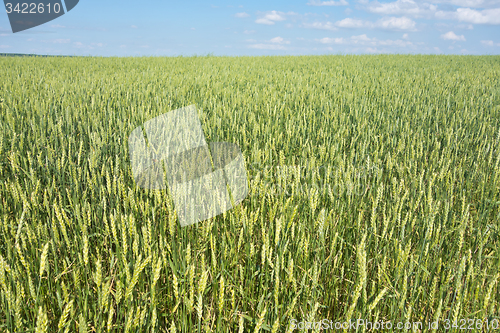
{"x":374,"y":193}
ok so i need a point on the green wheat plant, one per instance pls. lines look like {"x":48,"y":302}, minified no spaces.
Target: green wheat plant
{"x":374,"y":193}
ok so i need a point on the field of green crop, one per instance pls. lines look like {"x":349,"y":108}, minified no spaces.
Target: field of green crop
{"x":374,"y":194}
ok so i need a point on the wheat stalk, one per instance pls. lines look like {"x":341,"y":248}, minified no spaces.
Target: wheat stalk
{"x":42,"y":322}
{"x":109,"y":325}
{"x":221,"y":294}
{"x":361,"y":256}
{"x":261,"y":320}
{"x":65,"y":315}
{"x":43,"y":259}
{"x":137,"y":271}
{"x":240,"y":325}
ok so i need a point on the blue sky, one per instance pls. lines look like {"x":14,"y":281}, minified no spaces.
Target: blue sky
{"x":294,"y":27}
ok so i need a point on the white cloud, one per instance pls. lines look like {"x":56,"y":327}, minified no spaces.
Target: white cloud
{"x":396,"y":23}
{"x":351,"y":23}
{"x":328,"y":3}
{"x":348,"y":11}
{"x":267,"y":47}
{"x":241,"y":15}
{"x":397,"y":42}
{"x":365,"y":40}
{"x":133,"y":26}
{"x":470,"y":3}
{"x":486,"y":16}
{"x":264,"y":21}
{"x":279,"y":40}
{"x":3,"y":35}
{"x":450,"y":35}
{"x":489,"y":43}
{"x":250,"y":40}
{"x":402,"y":7}
{"x":4,"y":46}
{"x":321,"y":26}
{"x":361,"y":38}
{"x":80,"y":45}
{"x":276,"y":43}
{"x":328,"y":40}
{"x":248,"y":32}
{"x":271,"y":17}
{"x":437,"y":49}
{"x":389,"y":23}
{"x":61,"y":41}
{"x":405,"y":36}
